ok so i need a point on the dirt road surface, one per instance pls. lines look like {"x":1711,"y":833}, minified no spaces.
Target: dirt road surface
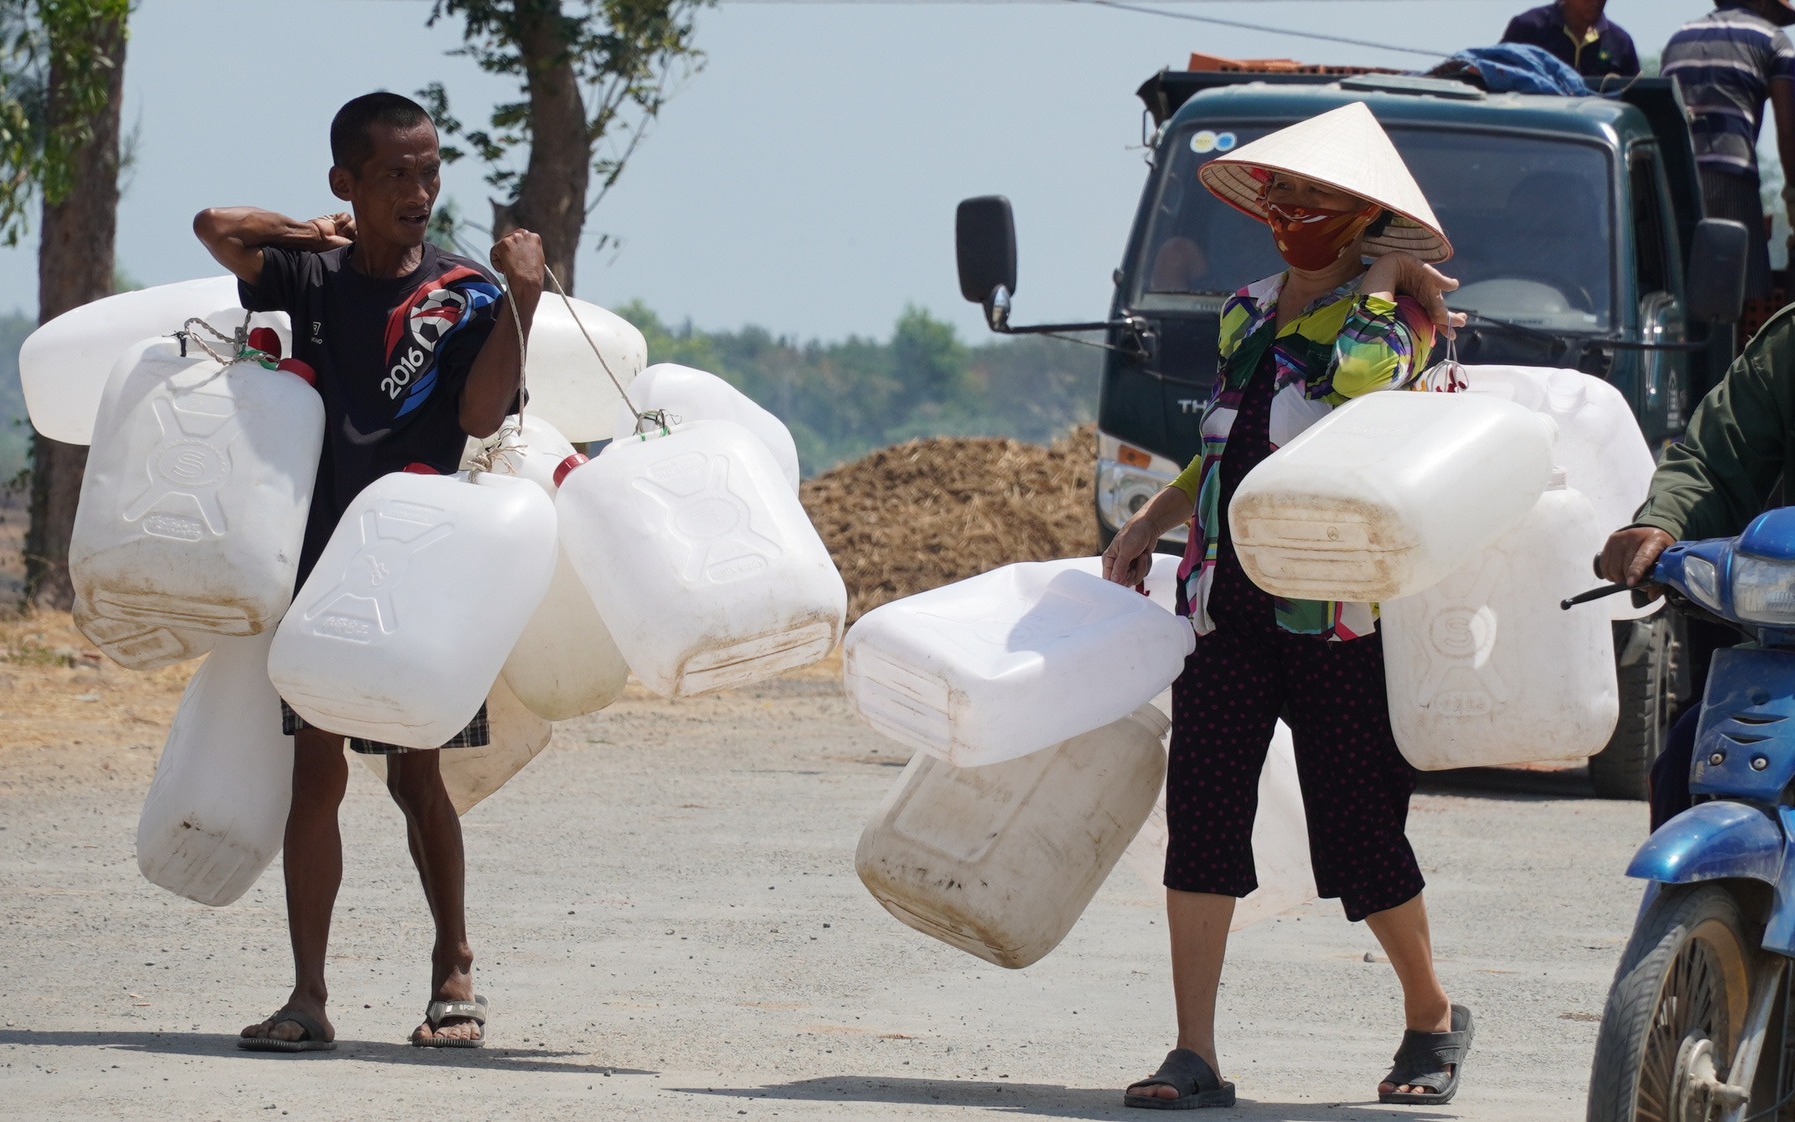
{"x":668,"y":924}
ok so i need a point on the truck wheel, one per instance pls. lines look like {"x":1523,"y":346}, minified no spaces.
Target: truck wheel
{"x":1645,"y":656}
{"x":1676,"y":1011}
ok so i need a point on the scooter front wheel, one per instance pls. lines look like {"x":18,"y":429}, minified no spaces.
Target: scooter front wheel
{"x":1676,"y":1011}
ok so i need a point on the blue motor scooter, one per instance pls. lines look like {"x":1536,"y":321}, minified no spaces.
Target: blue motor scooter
{"x":1697,"y":1023}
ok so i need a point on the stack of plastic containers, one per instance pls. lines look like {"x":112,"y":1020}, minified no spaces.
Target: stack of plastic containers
{"x":1388,"y":493}
{"x":193,"y":510}
{"x":1011,"y":661}
{"x":405,"y":621}
{"x":699,"y":558}
{"x":1001,"y":860}
{"x":1485,"y":669}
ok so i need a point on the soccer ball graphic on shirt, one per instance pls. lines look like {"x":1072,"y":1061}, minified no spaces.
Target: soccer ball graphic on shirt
{"x":435,"y":314}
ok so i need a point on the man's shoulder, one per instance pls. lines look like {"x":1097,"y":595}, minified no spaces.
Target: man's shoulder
{"x":1542,"y":20}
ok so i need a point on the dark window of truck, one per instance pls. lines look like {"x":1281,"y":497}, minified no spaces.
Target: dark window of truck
{"x":1648,"y":220}
{"x":1530,"y":219}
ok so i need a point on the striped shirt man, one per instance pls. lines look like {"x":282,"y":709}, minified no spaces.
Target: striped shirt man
{"x":1724,"y":64}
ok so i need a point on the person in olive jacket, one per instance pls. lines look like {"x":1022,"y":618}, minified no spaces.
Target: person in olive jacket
{"x":1740,"y":444}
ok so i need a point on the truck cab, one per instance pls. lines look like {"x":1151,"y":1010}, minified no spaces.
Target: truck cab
{"x":1579,"y":243}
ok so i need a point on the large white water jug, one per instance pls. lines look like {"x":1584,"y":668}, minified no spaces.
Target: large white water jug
{"x":1484,"y":668}
{"x":1011,"y":661}
{"x":1000,"y":861}
{"x":1599,"y":446}
{"x":699,"y":557}
{"x":570,"y":385}
{"x":1388,"y":493}
{"x":63,"y":365}
{"x":515,"y":737}
{"x":216,"y":811}
{"x":685,"y":394}
{"x":400,"y":630}
{"x":1280,"y":841}
{"x":565,"y":663}
{"x":194,"y":503}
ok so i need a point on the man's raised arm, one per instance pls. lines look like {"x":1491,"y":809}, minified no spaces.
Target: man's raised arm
{"x":235,"y":235}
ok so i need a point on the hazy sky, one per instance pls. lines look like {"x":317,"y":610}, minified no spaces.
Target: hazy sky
{"x":804,"y":180}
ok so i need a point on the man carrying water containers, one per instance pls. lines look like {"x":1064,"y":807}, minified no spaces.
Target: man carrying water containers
{"x":409,"y":364}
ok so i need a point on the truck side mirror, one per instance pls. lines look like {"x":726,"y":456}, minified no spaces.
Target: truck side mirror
{"x":985,"y":249}
{"x":1714,"y":284}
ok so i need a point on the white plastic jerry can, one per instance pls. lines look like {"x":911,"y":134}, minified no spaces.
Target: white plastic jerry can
{"x":570,"y":384}
{"x":216,"y":812}
{"x":516,"y":736}
{"x":1011,"y":661}
{"x":193,"y":506}
{"x":684,"y":394}
{"x":565,"y":663}
{"x":1001,"y":860}
{"x":1388,"y":493}
{"x":64,"y":365}
{"x":1484,"y":668}
{"x":400,"y":630}
{"x":700,"y":559}
{"x":1280,"y":841}
{"x":1599,"y":446}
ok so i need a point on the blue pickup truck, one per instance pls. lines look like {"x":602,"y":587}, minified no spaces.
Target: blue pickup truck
{"x":1580,"y":243}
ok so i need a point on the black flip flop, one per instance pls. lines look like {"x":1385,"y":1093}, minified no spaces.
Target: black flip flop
{"x":313,"y":1040}
{"x":1188,"y":1074}
{"x":1430,"y":1059}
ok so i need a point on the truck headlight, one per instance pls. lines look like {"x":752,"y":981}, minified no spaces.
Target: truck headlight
{"x":1763,"y":590}
{"x":1122,"y":490}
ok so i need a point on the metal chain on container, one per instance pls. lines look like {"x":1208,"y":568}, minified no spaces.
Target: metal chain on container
{"x":238,"y":342}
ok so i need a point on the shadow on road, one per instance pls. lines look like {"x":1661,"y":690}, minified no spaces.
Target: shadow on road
{"x":223,"y":1045}
{"x":1045,"y":1099}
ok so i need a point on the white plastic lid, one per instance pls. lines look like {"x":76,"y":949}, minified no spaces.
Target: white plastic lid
{"x":1151,"y":718}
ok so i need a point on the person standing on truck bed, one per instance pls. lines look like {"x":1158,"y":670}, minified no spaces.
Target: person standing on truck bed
{"x":1727,"y":63}
{"x":1577,"y":32}
{"x":1333,"y":190}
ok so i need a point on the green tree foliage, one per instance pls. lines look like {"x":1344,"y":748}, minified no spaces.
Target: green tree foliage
{"x":843,"y":399}
{"x":15,"y":427}
{"x":594,"y":76}
{"x":38,"y":38}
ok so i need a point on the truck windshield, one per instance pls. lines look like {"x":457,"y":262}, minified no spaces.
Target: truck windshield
{"x":1529,"y":219}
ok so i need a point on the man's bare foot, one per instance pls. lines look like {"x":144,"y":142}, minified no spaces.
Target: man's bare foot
{"x":294,"y":1023}
{"x":455,"y":984}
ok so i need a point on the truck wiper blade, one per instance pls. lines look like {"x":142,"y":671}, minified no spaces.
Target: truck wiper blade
{"x":1478,"y":318}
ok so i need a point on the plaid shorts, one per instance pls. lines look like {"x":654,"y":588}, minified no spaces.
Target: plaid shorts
{"x":475,"y":735}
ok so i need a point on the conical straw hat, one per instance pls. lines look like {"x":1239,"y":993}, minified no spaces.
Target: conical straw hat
{"x":1344,"y":148}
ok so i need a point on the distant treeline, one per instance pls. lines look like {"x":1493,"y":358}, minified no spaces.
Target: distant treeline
{"x":843,"y":399}
{"x":840,"y":399}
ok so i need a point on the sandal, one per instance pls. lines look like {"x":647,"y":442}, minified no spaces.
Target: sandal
{"x":1430,"y":1059}
{"x":1188,"y":1074}
{"x":313,"y":1040}
{"x":440,"y":1011}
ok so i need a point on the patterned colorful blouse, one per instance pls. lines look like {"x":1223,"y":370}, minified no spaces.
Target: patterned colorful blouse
{"x":1341,"y":346}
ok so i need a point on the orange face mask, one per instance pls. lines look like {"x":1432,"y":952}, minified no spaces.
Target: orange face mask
{"x":1311,"y":237}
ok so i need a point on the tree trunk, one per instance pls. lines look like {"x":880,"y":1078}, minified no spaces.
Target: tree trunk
{"x":74,"y":266}
{"x":551,"y":196}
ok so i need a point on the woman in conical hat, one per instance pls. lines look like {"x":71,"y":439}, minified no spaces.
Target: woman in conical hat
{"x":1356,"y":311}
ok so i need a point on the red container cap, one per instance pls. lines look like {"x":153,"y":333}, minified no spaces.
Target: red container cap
{"x":297,"y":366}
{"x":421,"y":469}
{"x":266,"y":340}
{"x":566,"y":466}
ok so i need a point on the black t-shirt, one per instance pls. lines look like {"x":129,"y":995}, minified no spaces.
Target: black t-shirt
{"x":391,"y":356}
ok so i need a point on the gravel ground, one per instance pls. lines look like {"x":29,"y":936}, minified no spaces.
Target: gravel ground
{"x":668,"y":923}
